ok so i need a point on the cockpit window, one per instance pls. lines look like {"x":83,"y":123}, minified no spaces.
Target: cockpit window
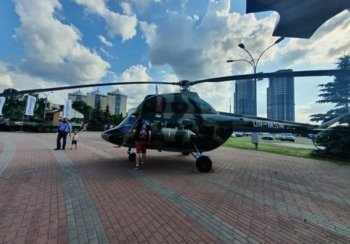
{"x":201,"y":106}
{"x":127,"y":124}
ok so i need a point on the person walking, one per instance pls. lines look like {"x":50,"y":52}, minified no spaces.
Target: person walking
{"x":142,"y":136}
{"x":64,"y":128}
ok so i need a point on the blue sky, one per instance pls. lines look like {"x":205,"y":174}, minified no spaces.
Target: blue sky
{"x":67,"y":42}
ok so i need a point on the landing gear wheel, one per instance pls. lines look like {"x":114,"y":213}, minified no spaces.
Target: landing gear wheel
{"x":185,"y":153}
{"x":132,"y":157}
{"x":203,"y":164}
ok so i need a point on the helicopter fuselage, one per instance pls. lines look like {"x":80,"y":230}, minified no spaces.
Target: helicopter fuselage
{"x":179,"y":122}
{"x":183,"y":122}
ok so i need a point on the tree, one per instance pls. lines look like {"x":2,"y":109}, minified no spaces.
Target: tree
{"x":39,"y":108}
{"x":107,"y":116}
{"x":117,"y":118}
{"x":96,"y":119}
{"x":83,"y":108}
{"x":337,"y":92}
{"x":14,"y":105}
{"x":336,"y":141}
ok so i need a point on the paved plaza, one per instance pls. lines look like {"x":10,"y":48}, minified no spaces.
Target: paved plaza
{"x":94,"y":195}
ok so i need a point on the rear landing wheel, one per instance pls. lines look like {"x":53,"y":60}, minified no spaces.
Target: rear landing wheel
{"x":203,"y":164}
{"x":132,"y":157}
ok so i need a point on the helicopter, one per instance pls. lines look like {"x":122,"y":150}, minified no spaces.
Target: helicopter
{"x":183,"y":122}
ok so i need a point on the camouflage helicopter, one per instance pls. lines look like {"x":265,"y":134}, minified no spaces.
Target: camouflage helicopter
{"x":183,"y":122}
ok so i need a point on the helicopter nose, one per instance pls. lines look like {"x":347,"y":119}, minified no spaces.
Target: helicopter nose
{"x":105,"y":136}
{"x":113,"y":135}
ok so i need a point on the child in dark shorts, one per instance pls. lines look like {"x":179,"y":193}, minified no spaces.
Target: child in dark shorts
{"x":74,"y":141}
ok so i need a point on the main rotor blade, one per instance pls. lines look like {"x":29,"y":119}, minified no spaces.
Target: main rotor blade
{"x":87,"y":85}
{"x":306,"y":73}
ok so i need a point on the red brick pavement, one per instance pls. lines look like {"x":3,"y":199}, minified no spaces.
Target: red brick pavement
{"x":129,"y":211}
{"x":265,"y":197}
{"x":31,"y":204}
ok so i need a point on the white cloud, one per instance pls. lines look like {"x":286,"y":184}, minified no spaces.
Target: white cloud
{"x":328,"y":43}
{"x":141,"y":5}
{"x":104,"y":41}
{"x":107,"y":54}
{"x":303,"y":111}
{"x":117,"y":24}
{"x":127,"y":9}
{"x":5,"y":81}
{"x":121,"y":24}
{"x":23,"y":81}
{"x":94,"y":6}
{"x":53,"y":49}
{"x":149,"y":31}
{"x":198,"y":48}
{"x":135,"y":93}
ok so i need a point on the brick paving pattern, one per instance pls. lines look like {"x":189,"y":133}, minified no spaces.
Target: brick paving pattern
{"x":93,"y":195}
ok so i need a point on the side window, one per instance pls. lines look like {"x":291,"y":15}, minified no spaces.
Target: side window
{"x":179,"y":107}
{"x":154,"y":104}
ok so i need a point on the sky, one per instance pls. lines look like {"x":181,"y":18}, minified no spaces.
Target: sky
{"x":69,"y":42}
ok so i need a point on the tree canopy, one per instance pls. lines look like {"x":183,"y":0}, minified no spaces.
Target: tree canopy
{"x":336,"y":92}
{"x":336,"y":141}
{"x":14,"y":106}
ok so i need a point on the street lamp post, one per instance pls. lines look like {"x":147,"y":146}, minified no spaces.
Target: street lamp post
{"x":46,"y":98}
{"x":254,"y":63}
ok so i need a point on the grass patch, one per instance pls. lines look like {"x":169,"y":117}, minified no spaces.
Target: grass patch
{"x":272,"y":147}
{"x":245,"y":143}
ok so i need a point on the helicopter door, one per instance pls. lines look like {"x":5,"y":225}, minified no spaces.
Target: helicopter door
{"x":187,"y":124}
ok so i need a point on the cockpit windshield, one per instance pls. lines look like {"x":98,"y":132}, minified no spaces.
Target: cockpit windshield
{"x":127,"y":124}
{"x":201,"y":106}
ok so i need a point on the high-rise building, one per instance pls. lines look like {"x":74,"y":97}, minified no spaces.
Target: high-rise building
{"x":116,"y":102}
{"x":97,"y":98}
{"x":245,"y":97}
{"x":77,"y":96}
{"x":280,"y":98}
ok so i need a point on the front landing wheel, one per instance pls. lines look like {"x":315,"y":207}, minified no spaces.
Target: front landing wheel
{"x":132,"y":157}
{"x":203,"y":164}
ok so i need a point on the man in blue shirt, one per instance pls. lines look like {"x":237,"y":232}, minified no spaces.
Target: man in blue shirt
{"x":64,"y":128}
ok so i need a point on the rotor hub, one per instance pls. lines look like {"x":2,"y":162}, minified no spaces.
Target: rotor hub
{"x":185,"y":85}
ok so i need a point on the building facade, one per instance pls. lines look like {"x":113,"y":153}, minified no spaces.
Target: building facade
{"x":245,"y":97}
{"x":95,"y":99}
{"x":77,"y":96}
{"x":280,"y":98}
{"x":117,"y":102}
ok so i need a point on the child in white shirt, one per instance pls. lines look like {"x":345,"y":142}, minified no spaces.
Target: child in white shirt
{"x":74,"y":141}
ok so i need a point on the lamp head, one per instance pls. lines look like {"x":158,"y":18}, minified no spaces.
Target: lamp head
{"x":241,"y":45}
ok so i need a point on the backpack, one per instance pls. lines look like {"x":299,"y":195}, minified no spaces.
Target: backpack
{"x":143,"y":133}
